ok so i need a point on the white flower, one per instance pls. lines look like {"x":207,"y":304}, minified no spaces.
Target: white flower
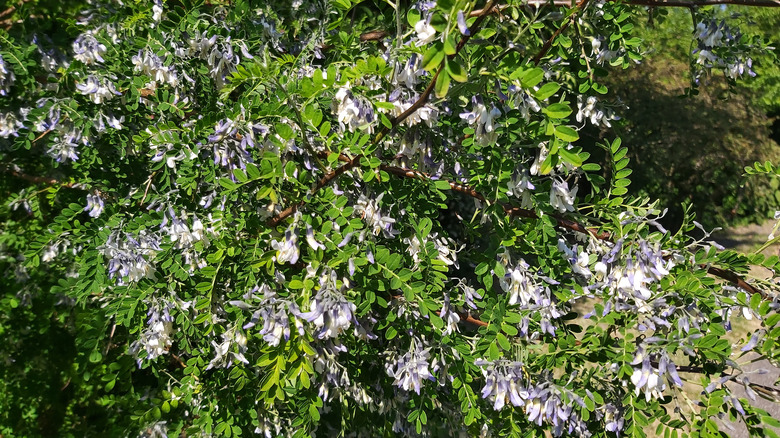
{"x":425,"y":32}
{"x":287,"y":249}
{"x":94,"y":205}
{"x":561,"y":198}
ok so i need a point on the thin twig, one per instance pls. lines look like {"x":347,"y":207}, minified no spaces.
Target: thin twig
{"x":548,"y":44}
{"x":287,"y":212}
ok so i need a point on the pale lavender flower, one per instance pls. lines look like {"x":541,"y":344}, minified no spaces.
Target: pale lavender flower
{"x":353,"y":113}
{"x":224,"y":354}
{"x":649,"y":378}
{"x":521,"y":186}
{"x":87,"y":49}
{"x":450,"y":317}
{"x":561,"y":198}
{"x":94,"y":205}
{"x":410,"y":74}
{"x":156,"y":338}
{"x":129,"y":256}
{"x":482,"y":120}
{"x":412,"y":369}
{"x":330,"y":311}
{"x":462,"y":26}
{"x":9,"y":125}
{"x":98,"y":90}
{"x":613,"y":419}
{"x":469,"y":295}
{"x":287,"y":248}
{"x":313,"y":243}
{"x":149,"y":63}
{"x":425,"y":32}
{"x":6,"y":77}
{"x":369,"y":210}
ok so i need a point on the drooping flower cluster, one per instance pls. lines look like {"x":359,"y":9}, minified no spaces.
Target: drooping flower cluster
{"x":482,"y":120}
{"x":412,"y":369}
{"x":99,"y":90}
{"x":441,"y":244}
{"x":156,"y":338}
{"x":602,"y":54}
{"x":649,"y":375}
{"x":9,"y":125}
{"x":130,"y":256}
{"x":95,"y":205}
{"x":88,"y":49}
{"x":524,"y":292}
{"x":6,"y":77}
{"x":232,"y":140}
{"x":185,"y":237}
{"x":287,"y":248}
{"x":718,"y":45}
{"x":224,"y":354}
{"x":148,"y":63}
{"x":544,"y":402}
{"x":330,"y":311}
{"x":561,"y":198}
{"x":273,"y":310}
{"x":520,"y":186}
{"x":353,"y":113}
{"x":628,"y":279}
{"x":598,"y":115}
{"x":369,"y":210}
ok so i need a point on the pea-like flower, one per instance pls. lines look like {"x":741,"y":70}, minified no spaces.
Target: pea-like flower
{"x":561,"y":198}
{"x":88,"y":49}
{"x":98,"y":90}
{"x":412,"y":369}
{"x":94,"y":205}
{"x":6,"y":77}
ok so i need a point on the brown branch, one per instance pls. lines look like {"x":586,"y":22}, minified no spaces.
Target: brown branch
{"x":548,"y":44}
{"x":735,"y":279}
{"x":374,"y":35}
{"x":35,"y":179}
{"x":287,"y":212}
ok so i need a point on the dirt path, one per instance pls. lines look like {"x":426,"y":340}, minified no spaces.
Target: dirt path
{"x":748,"y":239}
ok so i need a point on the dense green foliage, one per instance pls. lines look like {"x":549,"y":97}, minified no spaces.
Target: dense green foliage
{"x":356,"y":217}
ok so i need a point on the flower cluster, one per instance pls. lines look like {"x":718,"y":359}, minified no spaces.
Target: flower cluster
{"x":6,"y":77}
{"x":602,"y":54}
{"x":129,"y":256}
{"x":353,"y":113}
{"x":99,"y":90}
{"x":156,"y":338}
{"x":598,"y":116}
{"x":446,"y":254}
{"x":519,"y":283}
{"x":232,"y":140}
{"x":412,"y":369}
{"x":330,"y":312}
{"x":273,"y":310}
{"x":369,"y":210}
{"x":482,"y":120}
{"x":148,"y":63}
{"x":223,"y":356}
{"x":88,"y":49}
{"x":544,"y":402}
{"x":718,"y":45}
{"x":629,"y":278}
{"x":95,"y":205}
{"x":649,"y":375}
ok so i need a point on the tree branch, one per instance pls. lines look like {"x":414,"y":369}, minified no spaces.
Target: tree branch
{"x":548,"y":44}
{"x":287,"y":212}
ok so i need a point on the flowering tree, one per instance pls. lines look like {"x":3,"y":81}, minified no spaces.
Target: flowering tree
{"x":366,"y":217}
